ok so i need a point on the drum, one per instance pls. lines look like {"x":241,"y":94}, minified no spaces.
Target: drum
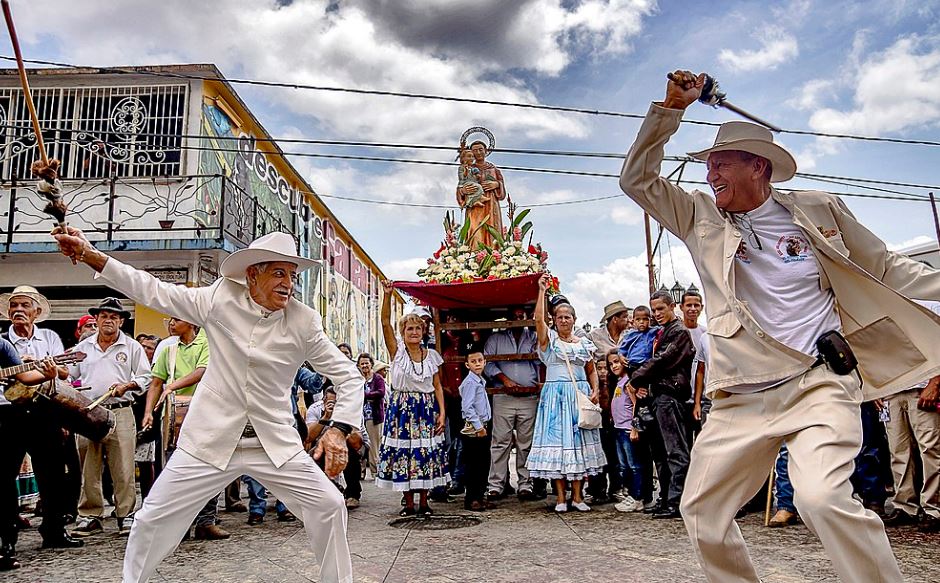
{"x":180,"y":409}
{"x":69,"y":405}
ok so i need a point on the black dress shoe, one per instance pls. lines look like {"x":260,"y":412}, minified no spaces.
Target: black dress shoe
{"x":899,"y":518}
{"x":654,"y":509}
{"x":456,"y":490}
{"x":929,"y":524}
{"x":668,"y":512}
{"x":63,"y":541}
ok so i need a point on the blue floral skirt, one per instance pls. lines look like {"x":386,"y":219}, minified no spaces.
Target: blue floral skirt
{"x":561,"y":449}
{"x":411,"y":456}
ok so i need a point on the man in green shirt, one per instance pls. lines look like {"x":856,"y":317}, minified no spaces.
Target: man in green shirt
{"x":178,"y":369}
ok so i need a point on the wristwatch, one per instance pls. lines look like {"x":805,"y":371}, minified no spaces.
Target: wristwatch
{"x":346,"y":428}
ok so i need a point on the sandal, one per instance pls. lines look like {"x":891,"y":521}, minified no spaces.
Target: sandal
{"x":425,"y":511}
{"x":407,"y":511}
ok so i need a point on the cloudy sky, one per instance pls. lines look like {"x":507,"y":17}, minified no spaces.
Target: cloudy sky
{"x":869,"y":68}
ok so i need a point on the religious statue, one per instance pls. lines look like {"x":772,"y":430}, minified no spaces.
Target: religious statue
{"x":476,"y":174}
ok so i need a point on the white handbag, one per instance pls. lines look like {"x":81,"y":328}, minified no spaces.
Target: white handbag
{"x":589,"y":413}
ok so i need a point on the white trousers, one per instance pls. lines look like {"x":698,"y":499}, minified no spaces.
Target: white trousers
{"x":818,"y":416}
{"x":186,"y":483}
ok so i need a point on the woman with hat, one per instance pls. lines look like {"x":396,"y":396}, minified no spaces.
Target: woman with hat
{"x":562,"y":451}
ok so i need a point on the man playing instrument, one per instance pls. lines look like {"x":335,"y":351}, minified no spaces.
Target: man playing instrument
{"x":178,"y":370}
{"x":40,"y":431}
{"x":10,"y":433}
{"x":240,"y":419}
{"x":116,"y":369}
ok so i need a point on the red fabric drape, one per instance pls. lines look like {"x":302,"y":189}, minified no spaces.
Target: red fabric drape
{"x":478,"y":294}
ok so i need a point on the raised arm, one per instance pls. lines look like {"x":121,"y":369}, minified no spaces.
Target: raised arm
{"x":541,"y":326}
{"x":188,"y":303}
{"x":388,"y":329}
{"x":640,"y":177}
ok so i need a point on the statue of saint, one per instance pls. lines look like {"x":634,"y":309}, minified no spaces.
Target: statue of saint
{"x":489,"y":177}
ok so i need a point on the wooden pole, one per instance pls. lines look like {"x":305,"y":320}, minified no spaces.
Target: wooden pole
{"x":936,"y":220}
{"x":27,"y":95}
{"x":770,"y":495}
{"x":649,"y":253}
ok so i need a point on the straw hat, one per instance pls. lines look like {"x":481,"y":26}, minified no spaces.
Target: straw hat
{"x":611,"y":310}
{"x":754,"y":139}
{"x":271,"y":247}
{"x":29,"y":291}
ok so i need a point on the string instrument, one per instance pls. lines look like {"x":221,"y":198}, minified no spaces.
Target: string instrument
{"x":61,"y":400}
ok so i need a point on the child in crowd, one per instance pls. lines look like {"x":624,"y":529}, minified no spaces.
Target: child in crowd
{"x":475,"y":408}
{"x":637,"y":346}
{"x":622,"y":403}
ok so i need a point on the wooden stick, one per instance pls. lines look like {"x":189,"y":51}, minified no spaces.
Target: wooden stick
{"x":770,"y":495}
{"x":27,"y":95}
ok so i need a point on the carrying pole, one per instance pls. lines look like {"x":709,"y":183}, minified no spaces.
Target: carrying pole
{"x":24,"y":82}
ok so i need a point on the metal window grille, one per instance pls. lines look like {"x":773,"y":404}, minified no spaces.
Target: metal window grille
{"x":96,"y":132}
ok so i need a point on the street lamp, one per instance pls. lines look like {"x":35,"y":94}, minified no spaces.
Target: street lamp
{"x":676,"y":292}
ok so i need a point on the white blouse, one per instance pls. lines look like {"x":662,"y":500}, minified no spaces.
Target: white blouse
{"x":414,"y":377}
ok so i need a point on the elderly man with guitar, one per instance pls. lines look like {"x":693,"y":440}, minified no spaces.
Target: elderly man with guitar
{"x":12,"y":367}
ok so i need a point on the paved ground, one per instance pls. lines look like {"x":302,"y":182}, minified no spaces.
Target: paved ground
{"x":515,"y":543}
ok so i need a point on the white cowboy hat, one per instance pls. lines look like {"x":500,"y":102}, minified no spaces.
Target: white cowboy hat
{"x":30,"y":292}
{"x":754,"y":139}
{"x":271,"y":247}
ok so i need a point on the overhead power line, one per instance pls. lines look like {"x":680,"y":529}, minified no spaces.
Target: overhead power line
{"x":841,"y":180}
{"x":428,"y":96}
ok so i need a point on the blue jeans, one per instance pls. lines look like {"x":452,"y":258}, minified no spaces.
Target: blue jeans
{"x":258,"y":497}
{"x":783,"y":486}
{"x":628,"y":464}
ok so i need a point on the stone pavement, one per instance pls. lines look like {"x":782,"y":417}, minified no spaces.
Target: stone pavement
{"x":515,"y":543}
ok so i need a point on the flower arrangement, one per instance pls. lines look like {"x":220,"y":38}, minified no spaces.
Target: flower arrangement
{"x":456,"y":262}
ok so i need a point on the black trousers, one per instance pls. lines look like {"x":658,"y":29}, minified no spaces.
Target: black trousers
{"x":476,"y":466}
{"x":352,"y":473}
{"x":671,"y":447}
{"x":33,"y":429}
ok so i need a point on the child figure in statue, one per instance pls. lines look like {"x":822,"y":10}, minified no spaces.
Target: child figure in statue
{"x":469,"y":175}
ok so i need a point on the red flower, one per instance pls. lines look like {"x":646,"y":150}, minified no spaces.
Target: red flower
{"x":543,"y":257}
{"x":430,"y":261}
{"x":533,"y":250}
{"x":490,"y":277}
{"x":481,"y":255}
{"x":437,"y":254}
{"x":497,"y":256}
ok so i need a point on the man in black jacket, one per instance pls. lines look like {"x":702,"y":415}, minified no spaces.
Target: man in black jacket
{"x":666,"y":379}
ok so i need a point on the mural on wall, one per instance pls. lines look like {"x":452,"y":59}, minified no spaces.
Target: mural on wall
{"x":231,"y":152}
{"x":343,"y":288}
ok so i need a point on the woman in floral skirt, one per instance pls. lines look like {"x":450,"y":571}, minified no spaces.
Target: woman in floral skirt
{"x":562,"y":451}
{"x":412,"y":458}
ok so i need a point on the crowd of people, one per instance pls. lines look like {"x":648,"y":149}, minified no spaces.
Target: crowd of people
{"x":650,"y":411}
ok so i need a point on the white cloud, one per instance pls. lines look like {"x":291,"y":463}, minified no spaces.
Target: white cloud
{"x":776,"y":47}
{"x":626,"y":279}
{"x":352,"y":45}
{"x":404,"y":269}
{"x":894,"y":90}
{"x":626,"y":215}
{"x":812,"y":94}
{"x":918,"y":240}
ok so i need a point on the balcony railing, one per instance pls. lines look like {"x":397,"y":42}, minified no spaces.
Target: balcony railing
{"x":209,"y":207}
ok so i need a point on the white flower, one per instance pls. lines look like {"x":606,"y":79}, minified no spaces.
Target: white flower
{"x":518,"y":244}
{"x":463,"y":249}
{"x":509,"y":250}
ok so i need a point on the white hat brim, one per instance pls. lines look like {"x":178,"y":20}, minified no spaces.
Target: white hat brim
{"x":784,"y":166}
{"x":234,"y":266}
{"x":45,"y":308}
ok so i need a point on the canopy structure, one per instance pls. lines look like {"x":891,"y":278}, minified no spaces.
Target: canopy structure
{"x":489,"y":293}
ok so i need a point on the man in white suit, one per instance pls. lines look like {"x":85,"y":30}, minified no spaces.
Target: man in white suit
{"x":240,"y":419}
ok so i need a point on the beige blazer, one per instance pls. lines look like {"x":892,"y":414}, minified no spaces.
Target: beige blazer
{"x":894,"y":338}
{"x":254,"y":361}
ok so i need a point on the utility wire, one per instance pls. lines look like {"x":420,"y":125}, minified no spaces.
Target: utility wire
{"x":428,"y":96}
{"x":521,"y":151}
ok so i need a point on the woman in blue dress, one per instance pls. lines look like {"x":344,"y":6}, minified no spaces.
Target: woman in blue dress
{"x":562,"y":451}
